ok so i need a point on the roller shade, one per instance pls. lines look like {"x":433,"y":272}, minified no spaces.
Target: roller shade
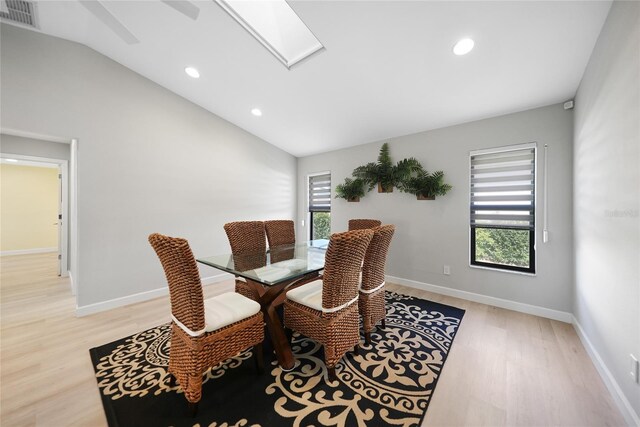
{"x":320,"y":193}
{"x":503,"y":188}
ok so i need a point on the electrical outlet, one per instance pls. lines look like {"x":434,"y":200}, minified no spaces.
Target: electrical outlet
{"x":446,"y":270}
{"x":302,"y":221}
{"x":635,"y":369}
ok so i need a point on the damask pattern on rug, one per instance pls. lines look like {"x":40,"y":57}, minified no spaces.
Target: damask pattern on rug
{"x":390,"y":383}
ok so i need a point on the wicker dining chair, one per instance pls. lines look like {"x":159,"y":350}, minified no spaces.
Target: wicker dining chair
{"x":281,"y":237}
{"x":280,"y":232}
{"x":361,"y":224}
{"x":247,"y":238}
{"x":371,"y":301}
{"x":326,"y":310}
{"x":207,"y":332}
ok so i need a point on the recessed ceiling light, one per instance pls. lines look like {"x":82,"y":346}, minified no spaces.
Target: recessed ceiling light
{"x":463,"y":47}
{"x":12,"y":160}
{"x":192,"y":72}
{"x":256,"y":112}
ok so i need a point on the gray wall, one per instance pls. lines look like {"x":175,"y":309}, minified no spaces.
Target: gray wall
{"x":148,"y":161}
{"x":11,"y":144}
{"x":430,"y":234}
{"x":607,"y":196}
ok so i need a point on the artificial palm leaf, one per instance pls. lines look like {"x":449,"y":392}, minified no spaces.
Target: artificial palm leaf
{"x":384,"y":172}
{"x":350,"y":189}
{"x":424,"y":184}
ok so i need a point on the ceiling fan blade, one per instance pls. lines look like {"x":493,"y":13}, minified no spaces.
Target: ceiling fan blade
{"x":185,"y":7}
{"x":102,"y":13}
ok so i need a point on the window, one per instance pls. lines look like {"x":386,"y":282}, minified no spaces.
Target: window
{"x":502,"y":204}
{"x":320,"y":206}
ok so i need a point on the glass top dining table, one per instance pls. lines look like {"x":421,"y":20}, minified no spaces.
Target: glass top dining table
{"x":270,"y":274}
{"x":278,"y":264}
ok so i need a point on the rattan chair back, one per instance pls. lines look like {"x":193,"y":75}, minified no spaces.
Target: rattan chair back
{"x":249,"y":249}
{"x":376,"y":257}
{"x":248,"y":244}
{"x":280,"y":232}
{"x":342,"y":266}
{"x":246,"y":237}
{"x":181,"y":270}
{"x":362,"y":224}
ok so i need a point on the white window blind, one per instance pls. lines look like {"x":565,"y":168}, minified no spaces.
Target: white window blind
{"x":503,"y":187}
{"x":320,"y":193}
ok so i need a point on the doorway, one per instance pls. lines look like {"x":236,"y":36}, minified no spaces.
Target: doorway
{"x":35,"y":207}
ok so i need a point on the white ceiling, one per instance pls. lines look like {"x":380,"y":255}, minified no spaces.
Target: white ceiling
{"x":388,"y":69}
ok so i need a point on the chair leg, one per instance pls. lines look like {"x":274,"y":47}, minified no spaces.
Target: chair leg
{"x":172,"y":380}
{"x":356,"y":349}
{"x":331,"y":374}
{"x":384,"y":323}
{"x":289,"y":333}
{"x":193,"y":409}
{"x":367,"y":338}
{"x":258,"y":356}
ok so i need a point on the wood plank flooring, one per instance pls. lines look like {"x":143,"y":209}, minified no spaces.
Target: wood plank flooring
{"x":504,"y":369}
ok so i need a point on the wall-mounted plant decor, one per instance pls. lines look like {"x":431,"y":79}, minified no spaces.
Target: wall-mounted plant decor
{"x":351,"y":190}
{"x":424,"y":185}
{"x":408,"y":175}
{"x":384,"y":172}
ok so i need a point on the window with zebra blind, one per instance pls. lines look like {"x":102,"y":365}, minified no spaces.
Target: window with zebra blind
{"x":502,"y":206}
{"x":320,"y":206}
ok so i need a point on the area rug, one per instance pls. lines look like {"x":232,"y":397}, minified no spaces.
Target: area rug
{"x":390,"y":382}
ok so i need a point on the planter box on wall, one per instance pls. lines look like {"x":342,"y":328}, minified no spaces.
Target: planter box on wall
{"x":384,"y":190}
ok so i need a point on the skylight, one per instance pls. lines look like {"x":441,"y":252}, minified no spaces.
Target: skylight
{"x":274,"y":24}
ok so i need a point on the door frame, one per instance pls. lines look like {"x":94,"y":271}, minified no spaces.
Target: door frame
{"x":73,"y":246}
{"x":63,"y":170}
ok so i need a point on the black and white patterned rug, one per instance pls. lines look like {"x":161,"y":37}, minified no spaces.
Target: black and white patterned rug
{"x":390,"y":383}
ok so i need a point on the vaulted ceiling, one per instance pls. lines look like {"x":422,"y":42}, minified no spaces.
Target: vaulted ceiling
{"x":387,"y":68}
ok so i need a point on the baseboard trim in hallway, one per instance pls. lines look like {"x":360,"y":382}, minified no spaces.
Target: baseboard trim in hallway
{"x":28,"y":251}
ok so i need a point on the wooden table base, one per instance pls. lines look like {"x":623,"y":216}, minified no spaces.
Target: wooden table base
{"x":270,"y":297}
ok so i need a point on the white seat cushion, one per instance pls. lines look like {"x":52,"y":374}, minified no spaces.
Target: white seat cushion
{"x":228,"y":308}
{"x":291,"y":264}
{"x":271,"y":274}
{"x":309,"y":294}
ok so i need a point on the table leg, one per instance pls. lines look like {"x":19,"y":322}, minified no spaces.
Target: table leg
{"x":270,"y":298}
{"x":279,"y":339}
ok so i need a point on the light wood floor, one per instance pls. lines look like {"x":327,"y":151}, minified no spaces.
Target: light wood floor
{"x":504,"y":369}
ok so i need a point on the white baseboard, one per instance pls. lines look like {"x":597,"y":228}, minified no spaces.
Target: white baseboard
{"x":28,"y":251}
{"x":86,"y":310}
{"x":630,"y":415}
{"x":217,"y":278}
{"x":548,"y":313}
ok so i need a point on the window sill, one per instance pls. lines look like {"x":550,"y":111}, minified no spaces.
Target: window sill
{"x":502,"y":270}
